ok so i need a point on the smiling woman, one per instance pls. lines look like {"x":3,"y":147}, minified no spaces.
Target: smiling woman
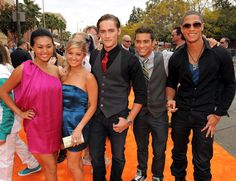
{"x":42,"y":119}
{"x":79,"y":104}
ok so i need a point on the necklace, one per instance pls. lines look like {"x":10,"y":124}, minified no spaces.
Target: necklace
{"x":195,"y":64}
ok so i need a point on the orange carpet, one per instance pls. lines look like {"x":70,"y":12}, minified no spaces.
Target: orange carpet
{"x":223,"y":164}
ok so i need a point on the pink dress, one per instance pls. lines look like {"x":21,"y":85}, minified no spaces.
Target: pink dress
{"x":42,"y":93}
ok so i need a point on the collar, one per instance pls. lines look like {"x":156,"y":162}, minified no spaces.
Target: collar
{"x":150,"y":57}
{"x":112,"y":53}
{"x":124,"y":47}
{"x":205,"y":42}
{"x":116,"y":48}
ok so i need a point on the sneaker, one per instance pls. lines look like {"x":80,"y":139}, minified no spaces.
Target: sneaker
{"x":139,"y":176}
{"x":107,"y":161}
{"x":156,"y":179}
{"x":28,"y":171}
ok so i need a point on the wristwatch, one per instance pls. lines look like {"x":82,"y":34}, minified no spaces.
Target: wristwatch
{"x":129,"y":121}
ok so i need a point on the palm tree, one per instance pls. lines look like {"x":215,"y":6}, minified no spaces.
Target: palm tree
{"x":32,"y":13}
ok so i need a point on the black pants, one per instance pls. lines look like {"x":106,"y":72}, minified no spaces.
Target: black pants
{"x":202,"y":148}
{"x":158,"y":127}
{"x":101,"y":127}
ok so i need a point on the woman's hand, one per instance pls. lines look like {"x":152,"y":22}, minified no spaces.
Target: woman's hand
{"x":76,"y":137}
{"x":29,"y":114}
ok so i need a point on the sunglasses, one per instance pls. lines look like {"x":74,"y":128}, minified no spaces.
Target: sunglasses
{"x":127,"y":41}
{"x":195,"y":25}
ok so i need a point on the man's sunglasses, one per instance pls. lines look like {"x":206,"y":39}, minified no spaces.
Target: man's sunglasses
{"x":195,"y":25}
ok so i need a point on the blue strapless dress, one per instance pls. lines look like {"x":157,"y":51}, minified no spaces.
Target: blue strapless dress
{"x":74,"y":107}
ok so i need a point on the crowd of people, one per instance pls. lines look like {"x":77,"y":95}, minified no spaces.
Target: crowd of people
{"x":81,"y":95}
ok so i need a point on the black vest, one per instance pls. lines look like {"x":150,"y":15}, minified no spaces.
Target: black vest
{"x":113,"y":89}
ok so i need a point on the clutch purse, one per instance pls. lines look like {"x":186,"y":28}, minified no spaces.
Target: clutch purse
{"x":68,"y":143}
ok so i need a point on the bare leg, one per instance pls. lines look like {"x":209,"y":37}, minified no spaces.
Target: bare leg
{"x":50,"y":164}
{"x":75,"y":165}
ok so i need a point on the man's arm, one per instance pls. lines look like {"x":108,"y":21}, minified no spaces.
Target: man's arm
{"x":227,"y":93}
{"x":140,"y":94}
{"x":170,"y":104}
{"x":228,"y":79}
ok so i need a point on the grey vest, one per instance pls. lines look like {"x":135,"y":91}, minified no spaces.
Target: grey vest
{"x":156,"y":96}
{"x":113,"y":89}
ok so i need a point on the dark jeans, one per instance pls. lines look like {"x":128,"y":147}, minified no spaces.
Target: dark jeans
{"x":101,"y":127}
{"x":202,"y":148}
{"x":158,"y":127}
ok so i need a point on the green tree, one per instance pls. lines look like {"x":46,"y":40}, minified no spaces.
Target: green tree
{"x":7,"y":25}
{"x":136,"y":15}
{"x":164,"y":16}
{"x":32,"y":14}
{"x":50,"y":21}
{"x":61,"y":26}
{"x":31,"y":11}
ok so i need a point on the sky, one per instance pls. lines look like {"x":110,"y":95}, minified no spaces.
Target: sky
{"x":80,"y":13}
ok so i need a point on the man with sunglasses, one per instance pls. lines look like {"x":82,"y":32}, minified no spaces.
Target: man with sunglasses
{"x":225,"y":42}
{"x":177,"y":37}
{"x":126,"y":44}
{"x":195,"y":71}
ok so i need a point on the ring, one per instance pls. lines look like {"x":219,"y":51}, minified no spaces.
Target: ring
{"x":75,"y":141}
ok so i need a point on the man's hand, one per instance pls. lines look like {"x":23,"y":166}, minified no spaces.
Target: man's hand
{"x":121,"y":125}
{"x":171,"y":106}
{"x":211,"y":124}
{"x":212,"y":42}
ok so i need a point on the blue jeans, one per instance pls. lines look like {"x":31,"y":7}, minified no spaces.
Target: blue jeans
{"x":101,"y":127}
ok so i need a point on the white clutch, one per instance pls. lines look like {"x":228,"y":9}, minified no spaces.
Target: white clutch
{"x":68,"y":143}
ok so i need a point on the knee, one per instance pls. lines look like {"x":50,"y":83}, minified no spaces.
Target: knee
{"x":51,"y":168}
{"x":74,"y":167}
{"x":118,"y":158}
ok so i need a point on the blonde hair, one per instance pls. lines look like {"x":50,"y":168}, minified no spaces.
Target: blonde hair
{"x":4,"y":58}
{"x":82,"y":34}
{"x":73,"y":44}
{"x":76,"y":44}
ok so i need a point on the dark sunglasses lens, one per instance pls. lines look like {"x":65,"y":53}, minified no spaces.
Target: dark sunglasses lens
{"x":187,"y":26}
{"x":197,"y":25}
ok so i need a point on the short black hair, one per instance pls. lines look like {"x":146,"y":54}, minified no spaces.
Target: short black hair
{"x":109,"y":17}
{"x":178,"y":30}
{"x":145,"y":29}
{"x":227,"y":40}
{"x":192,"y":13}
{"x":40,"y":32}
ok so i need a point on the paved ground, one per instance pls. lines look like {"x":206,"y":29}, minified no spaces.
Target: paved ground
{"x":226,"y":130}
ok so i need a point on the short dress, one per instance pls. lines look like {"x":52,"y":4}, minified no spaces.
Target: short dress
{"x":42,"y":93}
{"x":74,"y":107}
